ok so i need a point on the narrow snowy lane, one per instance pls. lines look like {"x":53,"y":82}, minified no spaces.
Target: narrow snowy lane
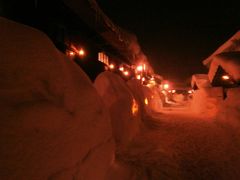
{"x":180,"y":145}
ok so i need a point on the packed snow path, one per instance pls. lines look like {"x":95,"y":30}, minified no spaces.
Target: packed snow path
{"x":180,"y":145}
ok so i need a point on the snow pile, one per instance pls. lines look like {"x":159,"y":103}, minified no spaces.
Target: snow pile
{"x":124,"y":109}
{"x":53,"y":122}
{"x":229,"y":61}
{"x":200,"y":81}
{"x":230,"y":108}
{"x":148,"y":98}
{"x":206,"y":101}
{"x":155,"y":101}
{"x":152,"y":99}
{"x":179,"y":98}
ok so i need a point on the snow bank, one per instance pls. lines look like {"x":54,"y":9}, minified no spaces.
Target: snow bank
{"x":153,"y":103}
{"x":230,"y":108}
{"x":123,"y":107}
{"x":156,"y":101}
{"x":53,"y":123}
{"x":148,"y":98}
{"x":179,"y":98}
{"x":200,"y":80}
{"x":205,"y":101}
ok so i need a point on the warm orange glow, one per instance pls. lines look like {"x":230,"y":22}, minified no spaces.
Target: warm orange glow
{"x":134,"y":107}
{"x":146,"y":101}
{"x":81,"y":52}
{"x":126,"y":73}
{"x":144,"y":67}
{"x":139,"y":68}
{"x":111,"y":66}
{"x":143,"y":79}
{"x":121,"y":68}
{"x":71,"y":53}
{"x":138,"y":77}
{"x":165,"y":86}
{"x":190,"y":91}
{"x":225,"y":77}
{"x":173,"y":91}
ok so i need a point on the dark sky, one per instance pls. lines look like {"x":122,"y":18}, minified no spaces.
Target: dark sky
{"x":176,"y":36}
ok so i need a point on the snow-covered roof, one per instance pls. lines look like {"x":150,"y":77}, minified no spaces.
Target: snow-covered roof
{"x":233,"y":44}
{"x":125,"y":42}
{"x":229,"y":61}
{"x":201,"y":80}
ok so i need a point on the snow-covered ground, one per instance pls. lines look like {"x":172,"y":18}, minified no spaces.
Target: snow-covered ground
{"x":56,"y":125}
{"x":181,"y":145}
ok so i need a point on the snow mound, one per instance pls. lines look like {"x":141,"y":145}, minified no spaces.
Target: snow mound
{"x":53,"y":123}
{"x":200,"y":81}
{"x":229,"y":61}
{"x":178,"y":98}
{"x":205,"y":101}
{"x":123,"y":108}
{"x":148,"y":98}
{"x":230,"y":108}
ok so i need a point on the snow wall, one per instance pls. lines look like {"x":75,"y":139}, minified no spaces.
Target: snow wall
{"x":229,"y":110}
{"x":123,"y":107}
{"x":210,"y":103}
{"x":53,"y":122}
{"x":148,"y":98}
{"x":200,"y":80}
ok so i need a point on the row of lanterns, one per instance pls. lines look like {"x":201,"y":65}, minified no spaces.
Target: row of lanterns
{"x":139,"y":71}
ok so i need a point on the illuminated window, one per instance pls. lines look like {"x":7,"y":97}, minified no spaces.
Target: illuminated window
{"x":103,"y":58}
{"x":225,"y":77}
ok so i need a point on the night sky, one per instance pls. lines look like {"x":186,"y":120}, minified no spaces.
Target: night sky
{"x":176,"y":37}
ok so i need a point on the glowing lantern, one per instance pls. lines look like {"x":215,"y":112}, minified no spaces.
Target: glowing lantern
{"x":111,"y":66}
{"x":165,"y":86}
{"x":139,"y":68}
{"x":71,"y":53}
{"x":138,"y":77}
{"x":126,"y":73}
{"x":146,"y":101}
{"x":121,"y":68}
{"x":81,"y":52}
{"x":134,"y":107}
{"x":225,"y":77}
